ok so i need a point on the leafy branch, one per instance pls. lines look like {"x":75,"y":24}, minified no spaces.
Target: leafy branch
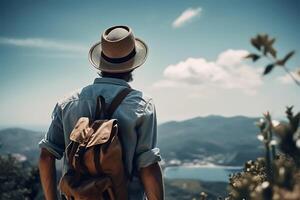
{"x":264,"y":44}
{"x":277,"y":174}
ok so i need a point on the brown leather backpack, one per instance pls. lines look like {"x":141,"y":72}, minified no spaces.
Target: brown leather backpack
{"x":95,"y":157}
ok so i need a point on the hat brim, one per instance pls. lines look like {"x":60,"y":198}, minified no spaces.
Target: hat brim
{"x":100,"y":63}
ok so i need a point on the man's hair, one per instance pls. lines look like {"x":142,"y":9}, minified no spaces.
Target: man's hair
{"x":126,"y":76}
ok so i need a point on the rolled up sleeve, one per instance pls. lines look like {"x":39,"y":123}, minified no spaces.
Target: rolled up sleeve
{"x":146,"y":151}
{"x":53,"y":140}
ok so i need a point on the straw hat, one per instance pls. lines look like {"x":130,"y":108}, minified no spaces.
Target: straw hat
{"x":118,"y":51}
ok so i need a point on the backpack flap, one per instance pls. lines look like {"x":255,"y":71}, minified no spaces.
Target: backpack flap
{"x":84,"y":137}
{"x":103,"y":132}
{"x":81,"y":131}
{"x":98,"y":133}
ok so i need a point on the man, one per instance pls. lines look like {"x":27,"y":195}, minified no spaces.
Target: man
{"x":116,"y":56}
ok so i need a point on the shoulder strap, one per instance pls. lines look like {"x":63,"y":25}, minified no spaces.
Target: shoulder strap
{"x":100,"y":107}
{"x":117,"y":101}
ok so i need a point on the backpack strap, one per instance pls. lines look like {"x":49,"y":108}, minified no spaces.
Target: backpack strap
{"x":117,"y":101}
{"x":100,"y":107}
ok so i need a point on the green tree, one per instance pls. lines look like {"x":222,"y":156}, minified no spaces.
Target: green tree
{"x":18,"y":179}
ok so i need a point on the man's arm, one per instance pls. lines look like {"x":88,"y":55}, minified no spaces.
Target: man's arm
{"x":151,"y":177}
{"x":48,"y":174}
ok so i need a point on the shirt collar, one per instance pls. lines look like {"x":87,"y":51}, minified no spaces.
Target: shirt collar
{"x":115,"y":81}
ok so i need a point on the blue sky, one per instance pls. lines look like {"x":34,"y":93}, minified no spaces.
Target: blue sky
{"x":193,"y":68}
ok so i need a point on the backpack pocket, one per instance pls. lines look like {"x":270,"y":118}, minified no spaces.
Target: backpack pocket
{"x":86,"y":188}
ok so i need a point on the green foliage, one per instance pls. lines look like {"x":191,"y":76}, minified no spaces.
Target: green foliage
{"x":268,"y":68}
{"x":253,"y":56}
{"x":203,"y":196}
{"x":254,"y":184}
{"x":18,"y":180}
{"x":264,"y":45}
{"x":243,"y":184}
{"x":274,"y":176}
{"x":286,"y":58}
{"x":289,"y":134}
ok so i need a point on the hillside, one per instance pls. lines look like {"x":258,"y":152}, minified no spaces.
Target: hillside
{"x":216,"y":139}
{"x":185,"y":189}
{"x":20,"y":141}
{"x":213,"y":139}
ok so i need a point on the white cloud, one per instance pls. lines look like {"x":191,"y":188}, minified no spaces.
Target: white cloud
{"x":186,"y":16}
{"x":286,"y":79}
{"x":44,"y":44}
{"x":227,"y":72}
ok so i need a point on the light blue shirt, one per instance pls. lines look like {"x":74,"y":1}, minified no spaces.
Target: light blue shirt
{"x":136,"y":119}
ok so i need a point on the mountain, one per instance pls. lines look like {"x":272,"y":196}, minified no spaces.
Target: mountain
{"x":21,"y":142}
{"x":214,"y":139}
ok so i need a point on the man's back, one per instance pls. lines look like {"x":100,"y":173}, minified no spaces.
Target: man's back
{"x":117,"y":55}
{"x":136,"y":119}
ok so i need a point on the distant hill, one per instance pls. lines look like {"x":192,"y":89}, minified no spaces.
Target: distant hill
{"x":216,"y":139}
{"x":20,"y":141}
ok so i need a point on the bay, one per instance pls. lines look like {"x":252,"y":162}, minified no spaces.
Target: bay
{"x":204,"y":173}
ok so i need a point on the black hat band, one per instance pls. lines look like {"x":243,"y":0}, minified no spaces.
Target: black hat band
{"x":119,"y":60}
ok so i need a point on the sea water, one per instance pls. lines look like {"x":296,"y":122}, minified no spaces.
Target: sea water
{"x":204,"y":173}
